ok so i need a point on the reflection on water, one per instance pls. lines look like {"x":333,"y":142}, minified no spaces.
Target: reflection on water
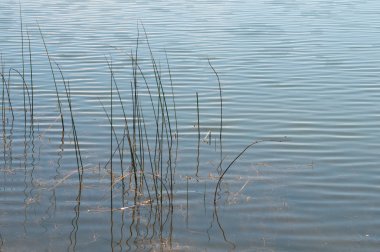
{"x":74,"y":177}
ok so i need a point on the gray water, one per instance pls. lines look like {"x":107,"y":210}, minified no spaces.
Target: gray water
{"x":304,"y":71}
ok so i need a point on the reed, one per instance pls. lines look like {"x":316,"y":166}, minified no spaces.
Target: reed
{"x":151,"y":157}
{"x":31,"y":81}
{"x":199,"y":135}
{"x":23,"y":64}
{"x":150,"y":177}
{"x":80,"y":168}
{"x":111,"y":157}
{"x":54,"y":80}
{"x":143,"y":151}
{"x":174,"y":108}
{"x":66,"y":85}
{"x":236,"y":158}
{"x":6,"y":92}
{"x":221,"y":116}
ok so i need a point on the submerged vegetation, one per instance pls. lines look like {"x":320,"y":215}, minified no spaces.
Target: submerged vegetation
{"x":143,"y":155}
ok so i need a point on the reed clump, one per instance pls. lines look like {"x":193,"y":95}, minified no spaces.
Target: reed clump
{"x":142,"y":156}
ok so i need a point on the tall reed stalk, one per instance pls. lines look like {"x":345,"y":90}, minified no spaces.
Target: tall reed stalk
{"x":55,"y":82}
{"x":199,"y":135}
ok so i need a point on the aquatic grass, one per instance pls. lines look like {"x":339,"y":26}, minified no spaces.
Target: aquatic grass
{"x":165,"y":117}
{"x":80,"y":168}
{"x":174,"y":108}
{"x":199,"y":135}
{"x":154,"y":151}
{"x":7,"y":123}
{"x":6,"y":92}
{"x":25,"y":91}
{"x":143,"y":151}
{"x":221,"y":116}
{"x":147,"y":150}
{"x":29,"y":92}
{"x":66,"y":85}
{"x":54,"y":80}
{"x":237,"y":157}
{"x":111,"y":156}
{"x":31,"y":80}
{"x":23,"y":64}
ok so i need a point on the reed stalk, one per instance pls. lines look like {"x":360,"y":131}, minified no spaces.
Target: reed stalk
{"x":236,"y":158}
{"x":23,"y":63}
{"x":75,"y":135}
{"x":55,"y":81}
{"x":199,"y":135}
{"x":221,"y":115}
{"x":7,"y":89}
{"x":31,"y":81}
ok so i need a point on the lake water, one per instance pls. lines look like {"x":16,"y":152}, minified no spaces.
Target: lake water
{"x":307,"y":72}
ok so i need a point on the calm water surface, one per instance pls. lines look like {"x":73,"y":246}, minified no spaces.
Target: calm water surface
{"x":305,"y":70}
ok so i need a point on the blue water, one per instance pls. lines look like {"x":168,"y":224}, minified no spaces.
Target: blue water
{"x":305,"y":70}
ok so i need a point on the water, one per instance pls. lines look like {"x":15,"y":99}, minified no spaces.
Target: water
{"x":308,"y":71}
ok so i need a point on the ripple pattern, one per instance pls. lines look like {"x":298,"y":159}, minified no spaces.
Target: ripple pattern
{"x":305,"y":70}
